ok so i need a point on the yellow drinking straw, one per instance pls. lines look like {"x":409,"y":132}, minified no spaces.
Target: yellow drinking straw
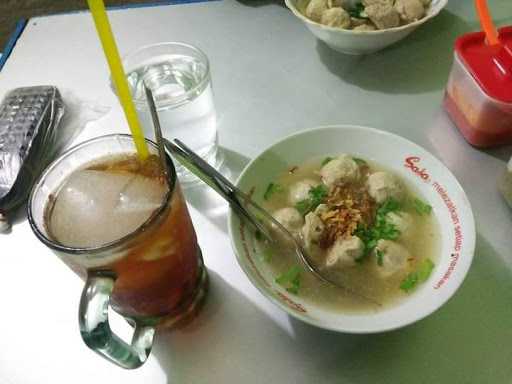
{"x":100,"y":17}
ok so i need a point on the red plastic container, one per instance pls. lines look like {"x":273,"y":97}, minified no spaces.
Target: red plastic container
{"x":478,"y":96}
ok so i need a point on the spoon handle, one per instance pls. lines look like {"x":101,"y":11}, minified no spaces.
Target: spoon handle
{"x":216,"y":180}
{"x":157,"y":129}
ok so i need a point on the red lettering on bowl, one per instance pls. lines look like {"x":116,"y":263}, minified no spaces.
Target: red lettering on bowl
{"x":449,"y":271}
{"x":457,"y":233}
{"x":292,"y":304}
{"x":411,"y":163}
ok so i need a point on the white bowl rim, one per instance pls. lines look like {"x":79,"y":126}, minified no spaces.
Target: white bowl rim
{"x":450,"y":292}
{"x":290,"y":4}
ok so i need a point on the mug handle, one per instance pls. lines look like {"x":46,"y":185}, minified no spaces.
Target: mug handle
{"x":95,"y":329}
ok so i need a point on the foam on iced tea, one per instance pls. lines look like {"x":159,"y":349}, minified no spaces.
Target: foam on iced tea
{"x":156,"y":270}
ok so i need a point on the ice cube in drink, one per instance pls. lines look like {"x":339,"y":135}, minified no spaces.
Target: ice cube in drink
{"x":96,"y":207}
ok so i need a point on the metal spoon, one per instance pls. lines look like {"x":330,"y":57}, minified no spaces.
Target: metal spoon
{"x":158,"y":130}
{"x":246,"y":208}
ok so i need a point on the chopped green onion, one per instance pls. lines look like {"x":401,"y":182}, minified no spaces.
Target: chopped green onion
{"x":303,"y":206}
{"x":358,"y":11}
{"x":288,"y":276}
{"x":425,"y":270}
{"x":271,"y":189}
{"x":291,"y":279}
{"x":390,"y":205}
{"x":381,"y":229}
{"x":421,"y":275}
{"x":359,"y":161}
{"x":388,"y":231}
{"x":409,"y":283}
{"x":372,"y":244}
{"x":326,"y":160}
{"x":421,"y":207}
{"x":318,"y":194}
{"x":316,"y":197}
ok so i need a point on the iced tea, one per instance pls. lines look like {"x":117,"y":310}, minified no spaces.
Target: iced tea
{"x":157,"y":271}
{"x":123,"y":226}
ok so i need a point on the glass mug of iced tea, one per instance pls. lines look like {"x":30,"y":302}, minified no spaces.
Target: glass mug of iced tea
{"x":124,"y":227}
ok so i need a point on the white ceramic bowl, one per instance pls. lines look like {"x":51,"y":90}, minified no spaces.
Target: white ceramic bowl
{"x":411,"y":162}
{"x":360,"y":42}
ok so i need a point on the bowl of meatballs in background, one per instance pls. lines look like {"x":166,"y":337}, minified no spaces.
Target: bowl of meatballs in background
{"x":376,"y":213}
{"x":359,"y":27}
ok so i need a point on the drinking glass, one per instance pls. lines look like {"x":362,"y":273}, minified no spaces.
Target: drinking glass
{"x":178,"y":75}
{"x":153,"y":277}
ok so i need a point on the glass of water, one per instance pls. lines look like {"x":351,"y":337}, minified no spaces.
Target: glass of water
{"x":178,"y":74}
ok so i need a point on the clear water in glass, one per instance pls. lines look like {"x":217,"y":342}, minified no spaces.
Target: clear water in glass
{"x":183,"y":96}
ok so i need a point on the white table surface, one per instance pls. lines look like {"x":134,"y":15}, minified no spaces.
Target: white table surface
{"x":271,"y":78}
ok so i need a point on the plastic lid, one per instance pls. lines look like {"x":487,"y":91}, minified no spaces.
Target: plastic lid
{"x":491,"y":66}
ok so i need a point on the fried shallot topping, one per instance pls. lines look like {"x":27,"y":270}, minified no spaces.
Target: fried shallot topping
{"x":347,"y":207}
